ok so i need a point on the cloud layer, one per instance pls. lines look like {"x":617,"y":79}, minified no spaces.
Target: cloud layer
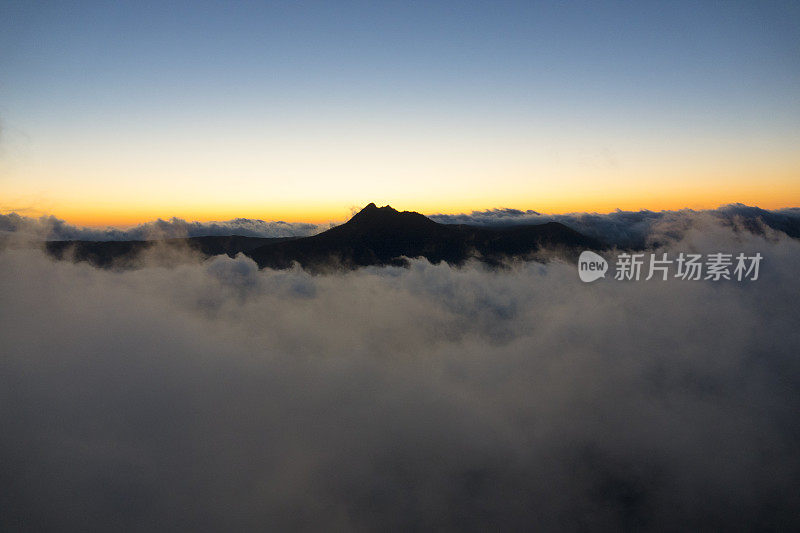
{"x":55,"y":229}
{"x":640,"y":228}
{"x":213,"y":396}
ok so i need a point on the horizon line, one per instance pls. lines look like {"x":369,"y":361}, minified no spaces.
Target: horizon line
{"x":35,"y":214}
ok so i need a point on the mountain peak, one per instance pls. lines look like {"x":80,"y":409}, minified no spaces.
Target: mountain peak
{"x":372,"y":210}
{"x":374,"y":216}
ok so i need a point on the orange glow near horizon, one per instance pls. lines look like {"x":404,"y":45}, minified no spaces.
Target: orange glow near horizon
{"x":115,"y":188}
{"x":321,"y":174}
{"x":699,"y":197}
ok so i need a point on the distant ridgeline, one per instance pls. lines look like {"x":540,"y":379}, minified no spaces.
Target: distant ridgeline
{"x":374,"y":236}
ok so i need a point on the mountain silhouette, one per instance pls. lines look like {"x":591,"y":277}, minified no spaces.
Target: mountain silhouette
{"x":383,"y":236}
{"x":373,"y":236}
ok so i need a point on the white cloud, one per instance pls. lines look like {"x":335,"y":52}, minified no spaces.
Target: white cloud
{"x":640,"y":228}
{"x":52,"y":228}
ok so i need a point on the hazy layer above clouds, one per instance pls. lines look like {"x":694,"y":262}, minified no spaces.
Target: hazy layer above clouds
{"x":636,"y":228}
{"x":214,"y":396}
{"x":55,"y":229}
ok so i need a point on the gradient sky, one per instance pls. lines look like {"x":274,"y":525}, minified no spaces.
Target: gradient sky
{"x":120,"y":112}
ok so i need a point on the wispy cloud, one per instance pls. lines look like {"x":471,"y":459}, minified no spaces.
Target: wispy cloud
{"x":639,"y":228}
{"x":52,"y":228}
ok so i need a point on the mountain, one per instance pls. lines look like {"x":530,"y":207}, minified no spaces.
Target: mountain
{"x":374,"y":236}
{"x":383,"y":235}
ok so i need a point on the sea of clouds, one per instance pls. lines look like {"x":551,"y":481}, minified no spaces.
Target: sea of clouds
{"x":212,"y":396}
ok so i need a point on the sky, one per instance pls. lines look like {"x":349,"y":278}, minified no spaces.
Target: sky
{"x":118,"y":113}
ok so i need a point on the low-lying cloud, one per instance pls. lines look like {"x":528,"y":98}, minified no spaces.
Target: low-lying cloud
{"x":214,"y":396}
{"x":626,"y":229}
{"x":55,"y":229}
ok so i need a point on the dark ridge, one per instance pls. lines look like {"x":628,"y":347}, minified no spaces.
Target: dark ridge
{"x":385,"y":236}
{"x":373,"y":236}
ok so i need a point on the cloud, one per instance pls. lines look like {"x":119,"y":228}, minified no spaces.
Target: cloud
{"x":52,"y":228}
{"x":214,"y":396}
{"x":639,"y":228}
